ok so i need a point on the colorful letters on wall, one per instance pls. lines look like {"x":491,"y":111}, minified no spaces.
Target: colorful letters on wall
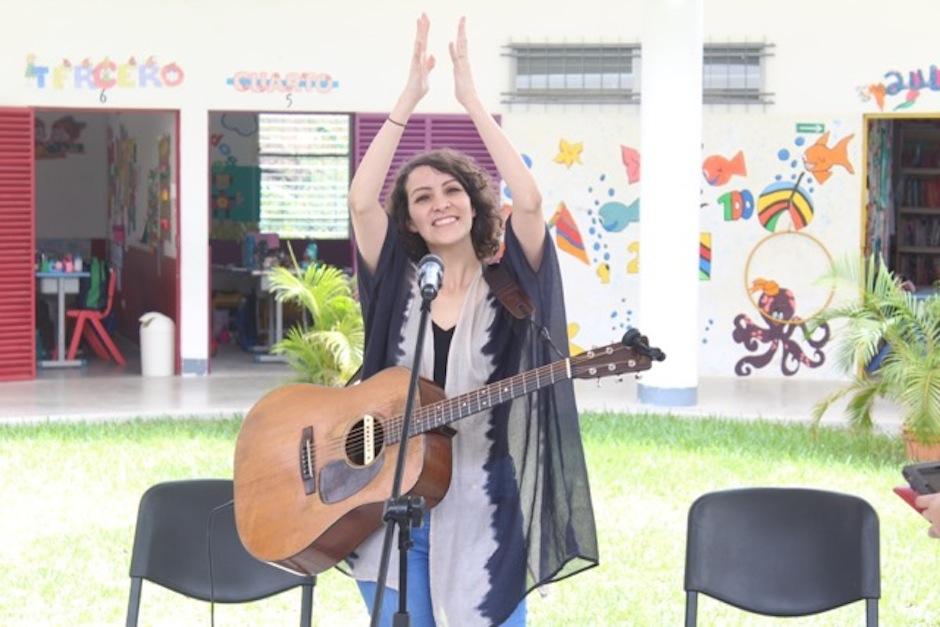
{"x":103,"y":75}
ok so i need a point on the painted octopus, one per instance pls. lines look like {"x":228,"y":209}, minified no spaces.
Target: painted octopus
{"x":778,"y":307}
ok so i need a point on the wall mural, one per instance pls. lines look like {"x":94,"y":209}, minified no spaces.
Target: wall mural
{"x":819,"y":159}
{"x":569,"y":153}
{"x":62,"y":139}
{"x":567,"y":234}
{"x":590,"y":229}
{"x":705,"y":257}
{"x":779,"y":270}
{"x":785,"y":207}
{"x":738,"y":204}
{"x":631,"y":163}
{"x":900,"y":90}
{"x":762,"y":200}
{"x":775,"y":332}
{"x":718,"y":170}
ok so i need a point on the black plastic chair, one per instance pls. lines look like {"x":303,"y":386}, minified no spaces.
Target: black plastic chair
{"x":171,"y":550}
{"x":782,"y":552}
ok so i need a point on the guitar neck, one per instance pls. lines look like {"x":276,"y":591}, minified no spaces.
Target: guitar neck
{"x":451,"y":410}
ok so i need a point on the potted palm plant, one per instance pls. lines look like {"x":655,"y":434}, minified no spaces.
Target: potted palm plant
{"x":890,"y":346}
{"x":327,"y":350}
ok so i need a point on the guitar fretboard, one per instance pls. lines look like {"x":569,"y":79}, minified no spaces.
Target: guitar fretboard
{"x":452,"y":409}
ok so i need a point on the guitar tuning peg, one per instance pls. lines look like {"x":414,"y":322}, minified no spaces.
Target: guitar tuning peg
{"x":620,"y":379}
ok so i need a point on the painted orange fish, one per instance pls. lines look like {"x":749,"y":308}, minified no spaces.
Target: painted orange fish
{"x":820,"y":159}
{"x":719,"y":170}
{"x":767,"y":286}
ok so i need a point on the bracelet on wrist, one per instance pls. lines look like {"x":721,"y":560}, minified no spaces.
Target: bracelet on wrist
{"x":389,"y":118}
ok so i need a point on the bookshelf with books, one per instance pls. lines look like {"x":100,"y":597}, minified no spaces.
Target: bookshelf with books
{"x":917,"y":201}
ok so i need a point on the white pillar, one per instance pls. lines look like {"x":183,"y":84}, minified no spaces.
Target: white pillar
{"x":194,"y":240}
{"x":671,"y":139}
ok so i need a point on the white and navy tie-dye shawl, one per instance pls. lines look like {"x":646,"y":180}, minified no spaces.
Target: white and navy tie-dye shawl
{"x":518,"y":511}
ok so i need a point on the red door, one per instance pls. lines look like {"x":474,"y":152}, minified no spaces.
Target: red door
{"x":17,"y":243}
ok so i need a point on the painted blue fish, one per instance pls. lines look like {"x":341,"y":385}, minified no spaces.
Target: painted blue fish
{"x":616,"y":216}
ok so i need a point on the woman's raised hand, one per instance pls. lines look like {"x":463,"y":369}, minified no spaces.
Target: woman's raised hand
{"x":464,"y":88}
{"x":421,"y":63}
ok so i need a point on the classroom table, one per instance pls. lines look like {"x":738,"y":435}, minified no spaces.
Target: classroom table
{"x":262,"y":353}
{"x":60,"y":278}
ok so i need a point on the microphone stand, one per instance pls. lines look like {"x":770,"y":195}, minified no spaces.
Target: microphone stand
{"x":405,"y":511}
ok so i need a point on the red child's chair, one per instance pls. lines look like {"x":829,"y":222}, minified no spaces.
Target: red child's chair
{"x":93,"y":317}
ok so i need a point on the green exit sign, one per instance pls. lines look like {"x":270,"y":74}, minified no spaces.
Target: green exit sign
{"x":806,"y":127}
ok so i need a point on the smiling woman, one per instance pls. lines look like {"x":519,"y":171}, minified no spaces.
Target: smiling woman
{"x":495,"y":532}
{"x":444,"y":188}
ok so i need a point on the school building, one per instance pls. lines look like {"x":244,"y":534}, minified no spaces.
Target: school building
{"x":184,"y":143}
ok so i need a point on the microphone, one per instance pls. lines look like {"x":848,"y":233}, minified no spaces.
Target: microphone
{"x":430,"y":275}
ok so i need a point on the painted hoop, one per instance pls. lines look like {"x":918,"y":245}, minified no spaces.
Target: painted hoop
{"x":747,"y":281}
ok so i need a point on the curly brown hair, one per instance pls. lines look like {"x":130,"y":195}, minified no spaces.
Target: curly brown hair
{"x":487,"y":227}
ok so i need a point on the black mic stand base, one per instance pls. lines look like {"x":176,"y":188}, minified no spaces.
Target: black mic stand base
{"x":407,"y":512}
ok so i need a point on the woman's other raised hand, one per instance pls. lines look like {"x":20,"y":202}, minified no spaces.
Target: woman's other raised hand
{"x":464,"y":88}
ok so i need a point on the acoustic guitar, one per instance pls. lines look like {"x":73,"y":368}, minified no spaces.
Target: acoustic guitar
{"x":314,"y":465}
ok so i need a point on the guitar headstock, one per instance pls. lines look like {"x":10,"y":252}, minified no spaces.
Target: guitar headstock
{"x":632,"y":354}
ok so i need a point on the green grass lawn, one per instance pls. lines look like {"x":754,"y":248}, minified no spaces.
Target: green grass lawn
{"x":70,"y":493}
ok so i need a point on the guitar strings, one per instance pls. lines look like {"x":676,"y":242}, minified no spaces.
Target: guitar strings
{"x":392,"y":427}
{"x":425,"y":413}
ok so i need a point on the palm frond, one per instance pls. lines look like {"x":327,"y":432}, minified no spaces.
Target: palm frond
{"x":885,"y":314}
{"x":329,"y":350}
{"x":921,"y":398}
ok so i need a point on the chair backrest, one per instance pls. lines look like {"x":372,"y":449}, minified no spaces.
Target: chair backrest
{"x":783,"y":551}
{"x":171,"y":546}
{"x":92,"y":292}
{"x":112,"y":282}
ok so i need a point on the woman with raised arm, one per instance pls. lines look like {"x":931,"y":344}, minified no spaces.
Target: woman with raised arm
{"x":518,"y":512}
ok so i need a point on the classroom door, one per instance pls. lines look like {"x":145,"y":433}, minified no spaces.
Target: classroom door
{"x":17,"y":243}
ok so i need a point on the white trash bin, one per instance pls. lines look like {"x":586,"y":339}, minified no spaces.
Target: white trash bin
{"x":157,"y":339}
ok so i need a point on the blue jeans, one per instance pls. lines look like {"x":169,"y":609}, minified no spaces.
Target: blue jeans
{"x":419,"y":587}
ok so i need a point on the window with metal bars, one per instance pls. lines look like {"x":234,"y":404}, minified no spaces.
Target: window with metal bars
{"x":574,"y":73}
{"x":734,"y":74}
{"x":304,"y":161}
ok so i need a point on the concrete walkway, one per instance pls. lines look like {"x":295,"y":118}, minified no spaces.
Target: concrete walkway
{"x":102,"y":391}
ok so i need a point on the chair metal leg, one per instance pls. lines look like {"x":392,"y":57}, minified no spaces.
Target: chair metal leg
{"x":691,"y":608}
{"x":133,"y":604}
{"x":871,"y":612}
{"x":306,"y":604}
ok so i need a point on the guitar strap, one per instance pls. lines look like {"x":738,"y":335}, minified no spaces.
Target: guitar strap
{"x":508,"y":291}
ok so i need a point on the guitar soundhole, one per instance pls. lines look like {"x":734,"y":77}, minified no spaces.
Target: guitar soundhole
{"x":365,"y":441}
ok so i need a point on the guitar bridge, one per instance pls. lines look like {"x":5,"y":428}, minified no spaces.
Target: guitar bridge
{"x":308,"y":461}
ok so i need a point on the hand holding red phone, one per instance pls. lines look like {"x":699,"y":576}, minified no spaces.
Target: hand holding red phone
{"x":910,"y":497}
{"x":930,"y":507}
{"x":924,"y":493}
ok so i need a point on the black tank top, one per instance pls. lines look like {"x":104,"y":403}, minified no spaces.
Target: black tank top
{"x":442,"y":340}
